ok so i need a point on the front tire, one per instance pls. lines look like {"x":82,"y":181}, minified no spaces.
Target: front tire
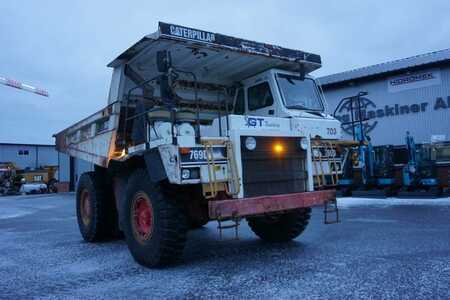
{"x":280,"y":228}
{"x":154,"y":224}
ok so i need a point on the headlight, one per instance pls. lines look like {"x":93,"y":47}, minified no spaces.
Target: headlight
{"x":250,"y":143}
{"x":185,"y":174}
{"x":316,"y":153}
{"x":304,"y":143}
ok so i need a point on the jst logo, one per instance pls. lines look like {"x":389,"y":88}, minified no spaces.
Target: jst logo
{"x":253,"y":122}
{"x":344,"y":115}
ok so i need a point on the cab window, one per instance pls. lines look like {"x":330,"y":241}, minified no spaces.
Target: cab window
{"x":259,"y":96}
{"x":239,"y":108}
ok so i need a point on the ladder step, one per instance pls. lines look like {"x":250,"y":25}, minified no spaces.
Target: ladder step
{"x":235,"y":225}
{"x":227,"y":226}
{"x":330,"y":207}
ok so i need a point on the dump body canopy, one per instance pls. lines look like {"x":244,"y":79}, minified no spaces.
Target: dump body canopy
{"x":213,"y":57}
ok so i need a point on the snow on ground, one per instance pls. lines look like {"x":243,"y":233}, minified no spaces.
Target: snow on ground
{"x":348,"y":202}
{"x":382,"y":249}
{"x":13,"y":212}
{"x":19,"y":206}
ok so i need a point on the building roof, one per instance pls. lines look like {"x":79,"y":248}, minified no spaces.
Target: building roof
{"x":387,"y":67}
{"x":26,"y":144}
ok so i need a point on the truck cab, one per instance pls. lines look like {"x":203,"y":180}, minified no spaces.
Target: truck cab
{"x":284,"y":94}
{"x":279,"y":93}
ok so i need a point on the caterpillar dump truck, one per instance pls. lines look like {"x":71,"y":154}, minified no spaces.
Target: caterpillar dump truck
{"x":201,"y":126}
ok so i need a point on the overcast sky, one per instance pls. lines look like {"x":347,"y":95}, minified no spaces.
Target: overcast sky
{"x":64,"y":46}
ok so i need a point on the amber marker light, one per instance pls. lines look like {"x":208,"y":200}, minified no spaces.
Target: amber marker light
{"x":184,"y":150}
{"x":278,"y":148}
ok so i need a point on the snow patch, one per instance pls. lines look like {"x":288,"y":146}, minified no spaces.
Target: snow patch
{"x":13,"y":212}
{"x":348,"y":202}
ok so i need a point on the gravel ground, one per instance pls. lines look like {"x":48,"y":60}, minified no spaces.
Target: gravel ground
{"x":382,"y":249}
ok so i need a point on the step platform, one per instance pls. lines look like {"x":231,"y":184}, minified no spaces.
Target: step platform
{"x":420,"y":194}
{"x":380,"y":193}
{"x":370,"y":194}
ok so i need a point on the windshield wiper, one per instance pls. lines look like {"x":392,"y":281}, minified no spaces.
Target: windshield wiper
{"x":298,"y":106}
{"x":317,"y":113}
{"x":314,"y":112}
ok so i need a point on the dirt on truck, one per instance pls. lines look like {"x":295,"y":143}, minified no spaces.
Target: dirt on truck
{"x":202,"y":126}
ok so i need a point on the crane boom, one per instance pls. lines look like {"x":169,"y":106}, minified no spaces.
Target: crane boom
{"x":22,"y":86}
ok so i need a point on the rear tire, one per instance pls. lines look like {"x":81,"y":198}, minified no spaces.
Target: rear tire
{"x":95,"y":208}
{"x":52,"y":186}
{"x":154,"y":223}
{"x":196,"y":224}
{"x":280,"y":228}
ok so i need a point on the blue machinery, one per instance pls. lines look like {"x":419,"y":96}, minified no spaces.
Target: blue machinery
{"x":418,"y":174}
{"x":375,"y":165}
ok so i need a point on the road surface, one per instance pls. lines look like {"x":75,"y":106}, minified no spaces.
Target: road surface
{"x":383,"y":249}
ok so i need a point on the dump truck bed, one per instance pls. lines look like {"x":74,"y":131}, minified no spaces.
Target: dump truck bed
{"x":93,"y":138}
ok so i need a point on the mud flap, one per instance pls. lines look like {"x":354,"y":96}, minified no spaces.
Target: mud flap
{"x":154,"y":164}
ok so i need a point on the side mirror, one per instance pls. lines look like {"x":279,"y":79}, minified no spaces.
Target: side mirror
{"x":302,"y":72}
{"x":163,"y":61}
{"x":165,"y":90}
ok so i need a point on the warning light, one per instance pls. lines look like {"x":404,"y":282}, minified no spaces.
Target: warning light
{"x":184,"y":150}
{"x":278,"y":148}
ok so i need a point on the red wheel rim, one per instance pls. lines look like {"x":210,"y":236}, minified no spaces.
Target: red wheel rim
{"x":142,"y":217}
{"x":85,"y":206}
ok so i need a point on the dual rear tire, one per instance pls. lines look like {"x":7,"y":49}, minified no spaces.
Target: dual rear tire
{"x":96,"y":211}
{"x":153,"y":219}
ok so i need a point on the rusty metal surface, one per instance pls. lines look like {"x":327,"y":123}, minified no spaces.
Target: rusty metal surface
{"x":88,"y":140}
{"x":267,"y":204}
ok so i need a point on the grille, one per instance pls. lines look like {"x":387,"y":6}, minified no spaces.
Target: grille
{"x":268,"y":173}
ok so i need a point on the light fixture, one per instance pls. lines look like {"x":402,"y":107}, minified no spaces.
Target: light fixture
{"x":185,"y":173}
{"x":250,"y":143}
{"x":304,"y":143}
{"x":278,"y":148}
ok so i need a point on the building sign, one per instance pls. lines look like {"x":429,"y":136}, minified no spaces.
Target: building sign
{"x":371,"y":113}
{"x":344,"y":115}
{"x":438,"y":138}
{"x":414,"y":81}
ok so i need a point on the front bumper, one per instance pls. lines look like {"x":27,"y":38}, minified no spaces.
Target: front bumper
{"x":267,"y":204}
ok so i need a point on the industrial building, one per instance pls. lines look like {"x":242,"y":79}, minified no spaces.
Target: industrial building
{"x":411,"y":94}
{"x":34,"y":156}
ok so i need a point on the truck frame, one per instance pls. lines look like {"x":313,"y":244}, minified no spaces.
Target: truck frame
{"x":201,"y":126}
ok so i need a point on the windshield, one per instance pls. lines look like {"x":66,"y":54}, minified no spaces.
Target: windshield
{"x":299,"y":94}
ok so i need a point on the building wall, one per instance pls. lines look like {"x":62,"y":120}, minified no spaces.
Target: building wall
{"x":80,"y":167}
{"x":29,"y":156}
{"x":64,"y":168}
{"x":45,"y":155}
{"x":426,"y":93}
{"x":35,"y":156}
{"x":10,"y":153}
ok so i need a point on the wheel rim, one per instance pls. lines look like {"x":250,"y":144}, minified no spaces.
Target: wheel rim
{"x":142,"y":217}
{"x":85,"y":207}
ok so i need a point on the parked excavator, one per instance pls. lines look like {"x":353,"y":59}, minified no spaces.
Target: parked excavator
{"x":419,"y":174}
